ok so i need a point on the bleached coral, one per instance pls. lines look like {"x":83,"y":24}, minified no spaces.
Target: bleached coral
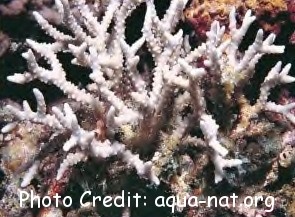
{"x":121,"y":95}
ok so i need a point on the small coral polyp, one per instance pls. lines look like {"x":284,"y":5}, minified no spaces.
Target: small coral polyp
{"x":97,"y":41}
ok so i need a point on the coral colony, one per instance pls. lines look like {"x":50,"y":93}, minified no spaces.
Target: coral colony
{"x":143,"y":113}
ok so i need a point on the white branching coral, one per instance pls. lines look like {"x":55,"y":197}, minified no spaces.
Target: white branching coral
{"x":122,"y":96}
{"x":210,"y":130}
{"x":30,"y":174}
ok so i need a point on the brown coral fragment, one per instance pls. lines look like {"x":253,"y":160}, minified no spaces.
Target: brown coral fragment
{"x":291,"y":10}
{"x":284,"y":160}
{"x":21,"y":146}
{"x":14,"y":7}
{"x":4,"y":43}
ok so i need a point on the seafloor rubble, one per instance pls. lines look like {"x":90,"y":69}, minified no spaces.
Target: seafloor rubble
{"x":272,"y":16}
{"x":150,"y":97}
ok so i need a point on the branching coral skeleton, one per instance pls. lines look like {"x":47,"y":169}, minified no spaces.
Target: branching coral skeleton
{"x":102,"y":47}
